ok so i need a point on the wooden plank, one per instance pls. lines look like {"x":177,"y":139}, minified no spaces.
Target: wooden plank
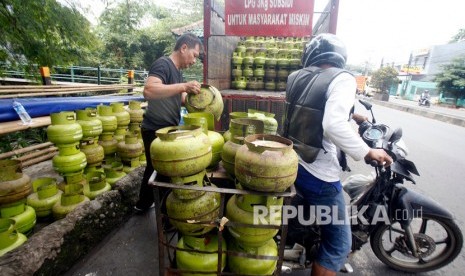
{"x":38,"y":159}
{"x":24,"y":150}
{"x":36,"y":154}
{"x":8,"y":127}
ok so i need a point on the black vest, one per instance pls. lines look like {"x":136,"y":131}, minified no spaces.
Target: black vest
{"x":305,"y":106}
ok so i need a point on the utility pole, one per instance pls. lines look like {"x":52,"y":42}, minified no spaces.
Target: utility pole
{"x":407,"y":79}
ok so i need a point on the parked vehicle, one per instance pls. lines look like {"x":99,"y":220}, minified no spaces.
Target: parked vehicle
{"x":407,"y":230}
{"x":361,"y":84}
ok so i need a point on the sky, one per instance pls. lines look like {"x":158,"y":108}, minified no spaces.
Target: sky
{"x":381,"y":29}
{"x":391,"y":29}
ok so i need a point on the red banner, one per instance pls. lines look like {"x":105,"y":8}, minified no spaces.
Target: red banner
{"x":269,"y":17}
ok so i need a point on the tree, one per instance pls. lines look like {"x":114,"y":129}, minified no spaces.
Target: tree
{"x":360,"y":68}
{"x":119,"y":29}
{"x":131,"y":44}
{"x":452,"y":79}
{"x":129,"y":34}
{"x":44,"y":33}
{"x":458,"y":37}
{"x":384,"y":78}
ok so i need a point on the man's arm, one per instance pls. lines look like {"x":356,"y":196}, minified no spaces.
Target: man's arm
{"x":156,"y":89}
{"x":341,"y":96}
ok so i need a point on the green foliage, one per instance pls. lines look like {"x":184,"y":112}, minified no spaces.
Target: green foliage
{"x":195,"y":72}
{"x":130,"y":44}
{"x":153,"y":47}
{"x":22,"y":139}
{"x":384,"y":78}
{"x":458,"y":37}
{"x":129,"y":34}
{"x":360,"y":68}
{"x":44,"y":32}
{"x":452,"y":79}
{"x":186,"y":11}
{"x":118,"y":30}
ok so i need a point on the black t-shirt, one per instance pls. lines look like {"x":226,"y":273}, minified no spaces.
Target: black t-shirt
{"x":163,"y":112}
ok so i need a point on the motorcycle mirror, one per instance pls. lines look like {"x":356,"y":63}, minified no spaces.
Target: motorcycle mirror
{"x":396,"y":135}
{"x":367,"y":105}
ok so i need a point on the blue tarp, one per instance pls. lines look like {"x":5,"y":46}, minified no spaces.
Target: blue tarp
{"x":37,"y":107}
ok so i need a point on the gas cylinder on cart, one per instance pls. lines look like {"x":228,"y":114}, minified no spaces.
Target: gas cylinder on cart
{"x":195,"y":180}
{"x":270,"y":123}
{"x":204,"y":208}
{"x":249,"y":265}
{"x":266,"y":163}
{"x":239,"y":128}
{"x":180,"y":151}
{"x":233,"y":115}
{"x":206,"y":121}
{"x":240,"y":208}
{"x":204,"y":261}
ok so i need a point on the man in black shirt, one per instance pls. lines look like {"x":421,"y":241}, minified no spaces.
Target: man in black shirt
{"x":165,"y":92}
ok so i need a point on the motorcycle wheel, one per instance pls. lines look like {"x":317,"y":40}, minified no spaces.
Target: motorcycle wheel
{"x":439,"y":241}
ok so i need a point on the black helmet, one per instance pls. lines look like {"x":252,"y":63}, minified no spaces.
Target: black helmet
{"x":325,"y":48}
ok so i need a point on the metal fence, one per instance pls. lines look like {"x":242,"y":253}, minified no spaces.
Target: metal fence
{"x":78,"y":74}
{"x":95,"y":75}
{"x":83,"y":74}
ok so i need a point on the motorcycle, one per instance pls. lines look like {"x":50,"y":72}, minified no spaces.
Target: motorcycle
{"x":424,"y":101}
{"x":407,"y":231}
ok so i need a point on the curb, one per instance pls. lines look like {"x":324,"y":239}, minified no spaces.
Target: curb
{"x":423,"y":112}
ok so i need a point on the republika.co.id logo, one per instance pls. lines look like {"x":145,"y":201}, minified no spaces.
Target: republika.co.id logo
{"x":325,"y":215}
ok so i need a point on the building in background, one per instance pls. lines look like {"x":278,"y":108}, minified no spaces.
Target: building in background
{"x":418,"y":75}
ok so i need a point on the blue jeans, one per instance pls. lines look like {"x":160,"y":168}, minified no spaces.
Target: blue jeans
{"x":336,"y":237}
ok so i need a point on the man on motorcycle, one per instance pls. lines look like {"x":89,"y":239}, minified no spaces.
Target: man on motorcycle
{"x":424,"y":98}
{"x":319,"y":99}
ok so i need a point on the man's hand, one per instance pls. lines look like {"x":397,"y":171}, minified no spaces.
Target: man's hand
{"x":380,"y":156}
{"x":192,"y":87}
{"x":359,"y":118}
